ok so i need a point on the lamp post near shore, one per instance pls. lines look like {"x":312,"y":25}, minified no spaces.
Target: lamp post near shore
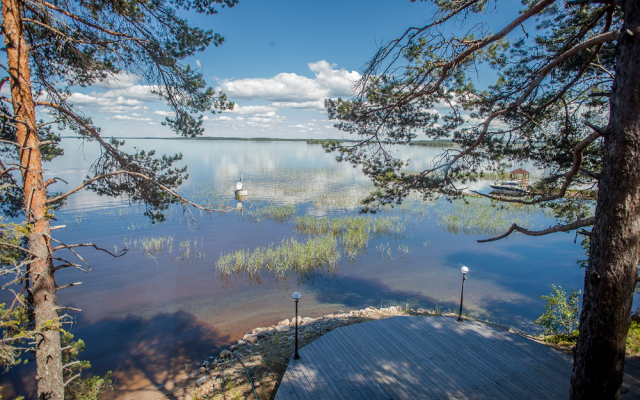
{"x":464,"y":271}
{"x":296,"y":296}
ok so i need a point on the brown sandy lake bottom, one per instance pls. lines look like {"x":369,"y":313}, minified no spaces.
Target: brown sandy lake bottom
{"x":153,"y":314}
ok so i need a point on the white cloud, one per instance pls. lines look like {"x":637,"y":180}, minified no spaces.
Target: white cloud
{"x":165,"y":113}
{"x":93,"y":100}
{"x":224,"y":118}
{"x":137,"y":92}
{"x":130,"y":118}
{"x":254,"y":110}
{"x":119,"y":81}
{"x":289,"y":88}
{"x":199,"y":63}
{"x":309,"y":105}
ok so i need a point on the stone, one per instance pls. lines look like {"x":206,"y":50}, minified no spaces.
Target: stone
{"x":241,"y":343}
{"x":247,"y":336}
{"x":203,"y":370}
{"x":307,"y":320}
{"x":282,"y":328}
{"x":284,"y":322}
{"x":256,"y":331}
{"x":252,"y":339}
{"x":206,"y":364}
{"x":225,"y":354}
{"x":201,"y":381}
{"x":293,"y":321}
{"x":233,"y":348}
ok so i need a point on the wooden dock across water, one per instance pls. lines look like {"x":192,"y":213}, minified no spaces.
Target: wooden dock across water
{"x":407,"y":358}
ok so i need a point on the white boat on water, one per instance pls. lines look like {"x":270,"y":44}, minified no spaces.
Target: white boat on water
{"x":509,"y":186}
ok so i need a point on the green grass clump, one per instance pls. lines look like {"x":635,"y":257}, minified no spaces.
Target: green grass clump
{"x":354,"y":232}
{"x":484,"y":217}
{"x":150,"y":245}
{"x":633,"y":339}
{"x":563,"y":339}
{"x":274,"y":212}
{"x":304,"y":259}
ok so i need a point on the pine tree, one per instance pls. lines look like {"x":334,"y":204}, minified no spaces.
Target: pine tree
{"x":566,"y":98}
{"x":50,"y":47}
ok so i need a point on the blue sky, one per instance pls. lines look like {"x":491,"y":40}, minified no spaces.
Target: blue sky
{"x":281,"y":59}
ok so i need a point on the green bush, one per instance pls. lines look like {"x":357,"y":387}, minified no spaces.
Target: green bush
{"x":561,"y":312}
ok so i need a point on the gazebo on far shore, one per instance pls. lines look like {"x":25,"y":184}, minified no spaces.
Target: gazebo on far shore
{"x":514,"y":176}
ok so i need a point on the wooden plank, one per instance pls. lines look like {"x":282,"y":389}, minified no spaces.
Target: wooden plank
{"x":285,"y":390}
{"x":453,"y":381}
{"x":353,"y":366}
{"x":474,"y":344}
{"x":465,"y":365}
{"x":336,"y":373}
{"x":473,"y":358}
{"x":312,"y":365}
{"x":386,"y":354}
{"x":631,"y":380}
{"x":406,"y":358}
{"x":388,"y":382}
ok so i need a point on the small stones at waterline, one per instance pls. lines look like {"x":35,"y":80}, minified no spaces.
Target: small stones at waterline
{"x":266,"y":351}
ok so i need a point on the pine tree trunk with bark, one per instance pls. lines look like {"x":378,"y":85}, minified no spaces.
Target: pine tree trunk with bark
{"x":610,"y":276}
{"x":43,"y":287}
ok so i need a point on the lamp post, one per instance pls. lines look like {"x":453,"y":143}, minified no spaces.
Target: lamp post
{"x":464,"y":271}
{"x":296,"y":296}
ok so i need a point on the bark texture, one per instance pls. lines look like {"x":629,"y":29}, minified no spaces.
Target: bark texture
{"x":615,"y":243}
{"x":43,"y":287}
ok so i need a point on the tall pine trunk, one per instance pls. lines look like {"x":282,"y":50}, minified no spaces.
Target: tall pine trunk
{"x":43,"y":287}
{"x":610,"y":276}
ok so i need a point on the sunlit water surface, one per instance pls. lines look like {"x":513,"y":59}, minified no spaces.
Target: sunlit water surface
{"x":152,"y":315}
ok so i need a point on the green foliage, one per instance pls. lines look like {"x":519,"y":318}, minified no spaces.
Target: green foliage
{"x":536,"y":111}
{"x":633,"y":339}
{"x":16,"y":328}
{"x":561,"y":312}
{"x":77,"y":388}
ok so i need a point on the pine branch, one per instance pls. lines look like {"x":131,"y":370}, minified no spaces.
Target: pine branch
{"x":220,"y":208}
{"x":558,"y":228}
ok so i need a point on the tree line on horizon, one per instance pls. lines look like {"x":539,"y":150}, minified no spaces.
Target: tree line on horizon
{"x":567,"y":96}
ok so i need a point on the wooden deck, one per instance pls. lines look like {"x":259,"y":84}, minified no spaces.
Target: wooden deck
{"x":429,"y":358}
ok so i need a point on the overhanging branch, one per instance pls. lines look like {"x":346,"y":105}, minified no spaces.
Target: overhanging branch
{"x":139,"y":175}
{"x":558,"y":228}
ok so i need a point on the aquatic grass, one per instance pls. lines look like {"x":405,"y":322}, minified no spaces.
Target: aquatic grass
{"x":274,"y":212}
{"x":485,"y":217}
{"x":306,"y":259}
{"x":345,"y":226}
{"x":150,"y":246}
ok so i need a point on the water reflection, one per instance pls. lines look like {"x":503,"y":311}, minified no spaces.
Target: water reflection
{"x":151,"y":315}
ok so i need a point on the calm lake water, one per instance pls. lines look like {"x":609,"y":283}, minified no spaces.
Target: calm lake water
{"x":153,"y":314}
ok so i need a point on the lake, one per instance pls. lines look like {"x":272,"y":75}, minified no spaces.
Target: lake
{"x":153,"y":314}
